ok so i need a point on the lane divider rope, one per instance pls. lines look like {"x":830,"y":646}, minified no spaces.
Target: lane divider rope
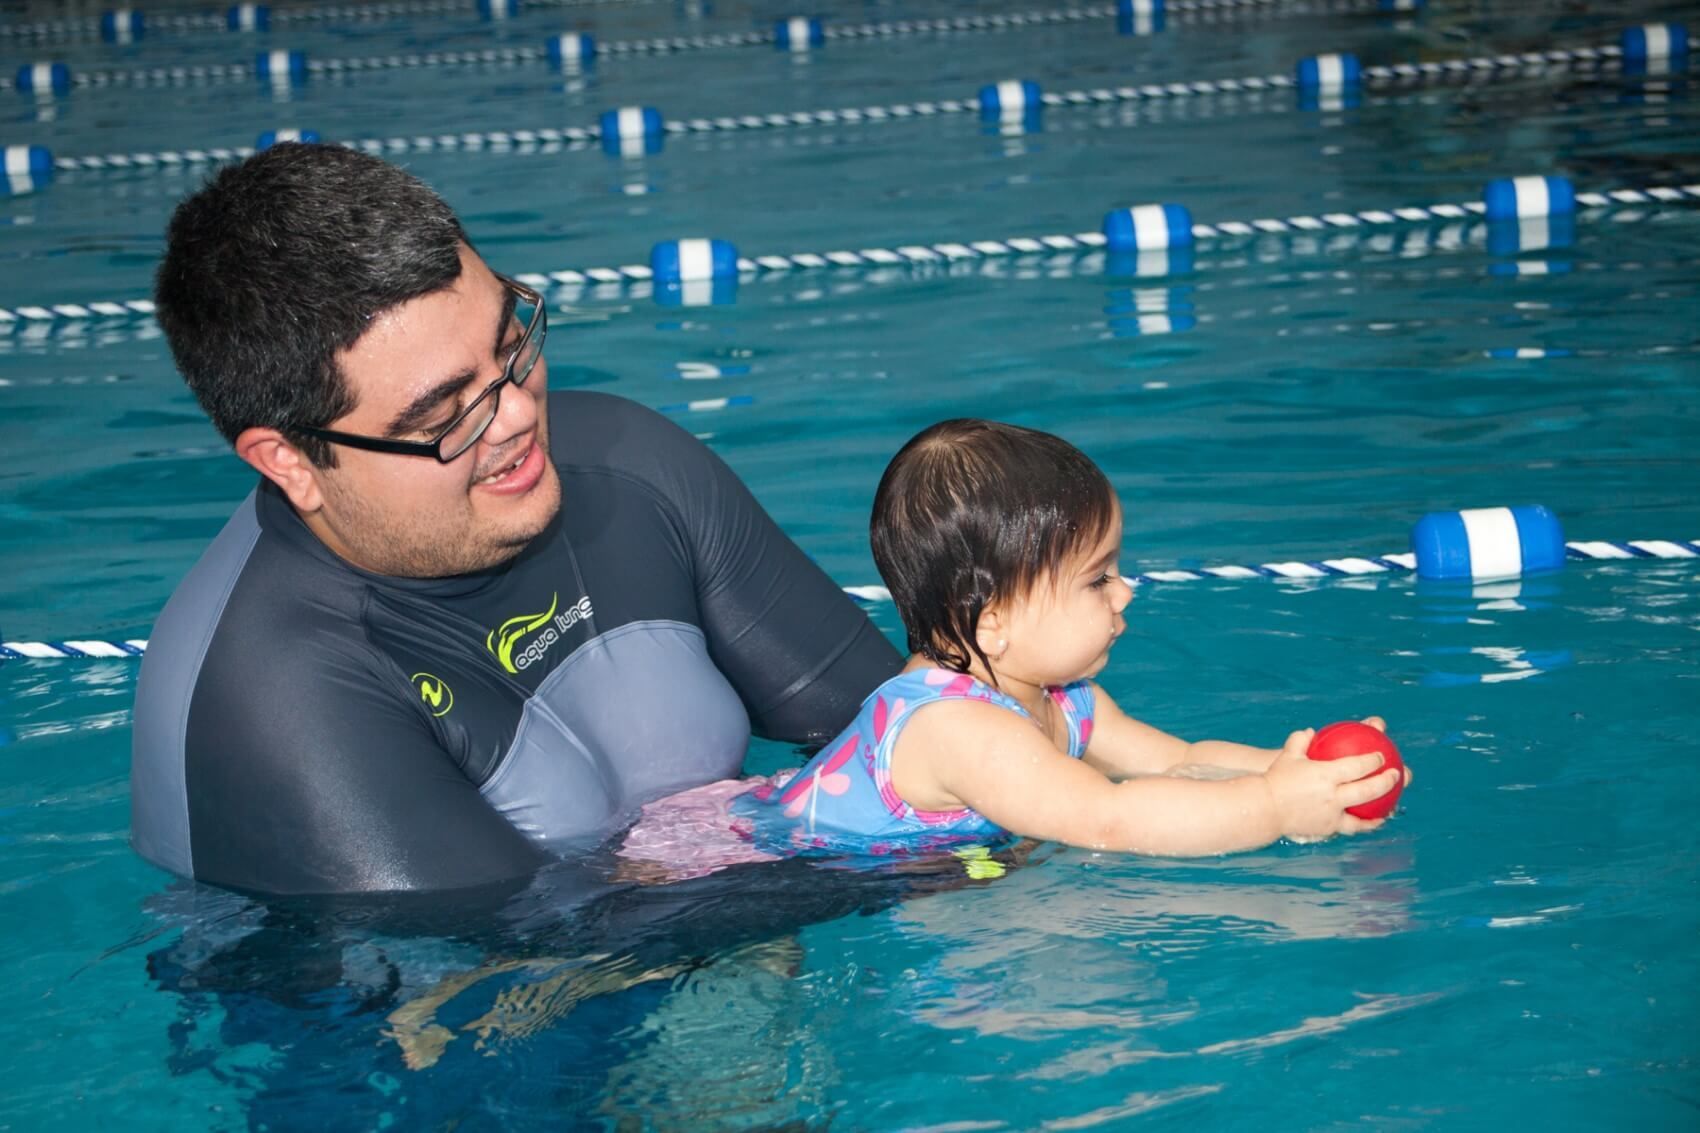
{"x":950,"y":252}
{"x":1404,"y":75}
{"x":192,"y":22}
{"x":928,"y":254}
{"x":1210,"y":11}
{"x":1406,"y":241}
{"x":1346,"y":567}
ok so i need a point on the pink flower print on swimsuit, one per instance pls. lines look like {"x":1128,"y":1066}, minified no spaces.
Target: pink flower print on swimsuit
{"x":840,"y":801}
{"x":818,"y":777}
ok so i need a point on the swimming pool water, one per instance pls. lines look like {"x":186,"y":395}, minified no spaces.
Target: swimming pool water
{"x":1516,"y":947}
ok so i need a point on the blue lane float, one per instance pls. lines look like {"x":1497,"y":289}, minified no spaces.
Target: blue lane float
{"x":498,"y":9}
{"x":693,"y":261}
{"x":248,"y":17}
{"x":1012,"y":98}
{"x":1519,"y":198}
{"x":44,"y":78}
{"x":1335,"y":71}
{"x":1141,"y":17}
{"x":1498,"y":542}
{"x":799,"y":33}
{"x":1148,"y":227}
{"x":29,"y":161}
{"x":272,"y":137}
{"x":28,"y":168}
{"x":631,"y":130}
{"x":570,"y":49}
{"x":281,"y":66}
{"x":121,"y":25}
{"x":1655,"y":43}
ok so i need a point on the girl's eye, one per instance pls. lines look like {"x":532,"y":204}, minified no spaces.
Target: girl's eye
{"x":1104,"y":579}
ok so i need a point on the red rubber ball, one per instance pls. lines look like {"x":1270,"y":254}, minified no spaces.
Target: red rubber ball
{"x":1349,"y":737}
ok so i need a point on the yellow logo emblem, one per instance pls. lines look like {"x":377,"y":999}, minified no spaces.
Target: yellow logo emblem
{"x":978,"y":863}
{"x":502,"y":640}
{"x":438,"y":697}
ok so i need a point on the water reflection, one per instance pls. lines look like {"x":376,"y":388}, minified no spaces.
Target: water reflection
{"x":368,"y":1013}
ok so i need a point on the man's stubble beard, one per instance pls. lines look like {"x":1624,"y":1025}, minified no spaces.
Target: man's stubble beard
{"x":414,"y":547}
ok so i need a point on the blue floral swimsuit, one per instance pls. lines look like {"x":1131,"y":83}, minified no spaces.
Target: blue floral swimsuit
{"x":844,"y":799}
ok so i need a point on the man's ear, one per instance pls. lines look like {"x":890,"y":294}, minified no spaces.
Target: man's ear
{"x":273,"y":457}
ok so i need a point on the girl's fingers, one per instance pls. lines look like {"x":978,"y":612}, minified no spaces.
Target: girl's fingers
{"x":1298,"y":743}
{"x":1377,"y":723}
{"x":1367,"y":790}
{"x":1356,"y":766}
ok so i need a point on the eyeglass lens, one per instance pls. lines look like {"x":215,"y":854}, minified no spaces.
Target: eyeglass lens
{"x":466,"y":432}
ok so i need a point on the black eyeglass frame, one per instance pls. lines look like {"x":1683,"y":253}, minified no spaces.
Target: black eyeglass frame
{"x":538,"y":327}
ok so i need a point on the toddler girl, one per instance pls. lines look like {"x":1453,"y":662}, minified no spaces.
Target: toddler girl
{"x":999,"y":545}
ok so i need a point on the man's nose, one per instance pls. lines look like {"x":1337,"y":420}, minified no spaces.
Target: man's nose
{"x":518,"y":410}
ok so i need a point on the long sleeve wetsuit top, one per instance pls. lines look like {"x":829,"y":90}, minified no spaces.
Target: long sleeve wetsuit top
{"x":304,"y":726}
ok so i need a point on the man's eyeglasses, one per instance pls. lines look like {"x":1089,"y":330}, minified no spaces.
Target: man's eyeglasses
{"x":463,"y":432}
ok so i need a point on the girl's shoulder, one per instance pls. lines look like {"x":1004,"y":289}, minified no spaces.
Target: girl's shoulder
{"x":941,"y":684}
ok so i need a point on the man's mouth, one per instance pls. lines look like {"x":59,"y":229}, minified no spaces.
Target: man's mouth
{"x":516,"y":474}
{"x":518,"y":459}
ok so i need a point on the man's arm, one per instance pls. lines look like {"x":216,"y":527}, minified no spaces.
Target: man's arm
{"x":800,"y":652}
{"x":273,"y":751}
{"x":354,"y":795}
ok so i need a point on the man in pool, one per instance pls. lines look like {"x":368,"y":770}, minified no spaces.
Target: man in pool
{"x":405,"y":663}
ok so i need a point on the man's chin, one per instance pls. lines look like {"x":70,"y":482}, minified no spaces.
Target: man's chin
{"x":537,"y":510}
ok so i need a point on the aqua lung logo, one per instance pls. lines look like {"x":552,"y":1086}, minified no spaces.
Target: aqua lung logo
{"x":437,"y":697}
{"x":504,"y":641}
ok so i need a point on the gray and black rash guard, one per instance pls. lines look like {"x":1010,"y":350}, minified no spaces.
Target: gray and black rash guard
{"x":303,"y":726}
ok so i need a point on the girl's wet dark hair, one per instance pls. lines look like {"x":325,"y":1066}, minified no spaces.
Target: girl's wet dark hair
{"x":972,"y":512}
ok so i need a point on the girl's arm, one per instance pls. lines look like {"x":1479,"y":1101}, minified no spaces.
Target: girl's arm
{"x":967,"y":753}
{"x":1122,"y":746}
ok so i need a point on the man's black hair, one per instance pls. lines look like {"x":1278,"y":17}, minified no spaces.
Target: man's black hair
{"x":972,"y":512}
{"x":279,"y":263}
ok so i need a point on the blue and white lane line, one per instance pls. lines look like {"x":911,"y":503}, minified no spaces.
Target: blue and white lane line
{"x":1348,"y":567}
{"x":946,"y":253}
{"x":1182,"y":11}
{"x":1377,"y":79}
{"x":71,"y":30}
{"x":950,"y":252}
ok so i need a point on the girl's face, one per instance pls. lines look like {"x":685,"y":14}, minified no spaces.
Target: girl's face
{"x":1063,"y":629}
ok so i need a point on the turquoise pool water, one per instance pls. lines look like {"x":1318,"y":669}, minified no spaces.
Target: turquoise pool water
{"x":1516,"y":947}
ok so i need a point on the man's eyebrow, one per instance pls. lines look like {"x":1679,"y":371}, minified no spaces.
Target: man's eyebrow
{"x":420,"y":408}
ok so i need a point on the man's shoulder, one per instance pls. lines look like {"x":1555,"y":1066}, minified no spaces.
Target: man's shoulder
{"x":593,"y":432}
{"x":257,"y":586}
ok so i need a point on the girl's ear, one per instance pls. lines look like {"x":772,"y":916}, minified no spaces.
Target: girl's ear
{"x":991,"y":632}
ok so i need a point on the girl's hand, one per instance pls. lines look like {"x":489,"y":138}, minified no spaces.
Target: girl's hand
{"x":1311,"y":796}
{"x":1380,"y":725}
